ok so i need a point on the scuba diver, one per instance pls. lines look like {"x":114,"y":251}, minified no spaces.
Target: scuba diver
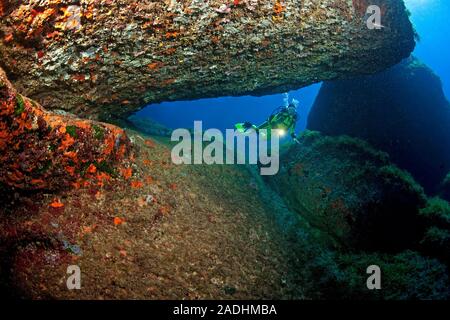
{"x":283,"y":118}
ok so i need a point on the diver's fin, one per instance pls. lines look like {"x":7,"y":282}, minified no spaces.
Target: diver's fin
{"x":243,"y":127}
{"x":240,"y":127}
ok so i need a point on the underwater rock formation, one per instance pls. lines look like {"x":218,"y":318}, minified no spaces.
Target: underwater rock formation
{"x":97,"y":58}
{"x":149,"y":126}
{"x":402,"y":111}
{"x":45,"y":150}
{"x":163,"y":232}
{"x":444,"y":190}
{"x":356,"y":209}
{"x":436,"y":239}
{"x":351,"y":192}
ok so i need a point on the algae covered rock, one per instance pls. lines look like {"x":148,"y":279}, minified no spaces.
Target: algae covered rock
{"x":150,"y":126}
{"x":402,"y":111}
{"x":45,"y":150}
{"x":405,"y":276}
{"x":444,"y":190}
{"x":351,"y":192}
{"x":436,"y":239}
{"x":100,"y":57}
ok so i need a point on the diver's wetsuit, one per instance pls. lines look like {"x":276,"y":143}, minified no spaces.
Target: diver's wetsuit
{"x":283,"y":118}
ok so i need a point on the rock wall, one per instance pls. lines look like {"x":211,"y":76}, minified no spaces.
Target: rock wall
{"x":402,"y":111}
{"x":103,"y":57}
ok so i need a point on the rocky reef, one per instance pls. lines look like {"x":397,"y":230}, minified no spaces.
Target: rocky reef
{"x":402,"y":111}
{"x":436,"y":219}
{"x":148,"y":126}
{"x":110,"y":200}
{"x":41,"y":150}
{"x":350,"y":191}
{"x":161,"y":232}
{"x":358,"y":209}
{"x":103,"y":58}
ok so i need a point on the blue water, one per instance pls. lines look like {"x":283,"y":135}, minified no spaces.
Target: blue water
{"x":223,"y":113}
{"x":430,"y":18}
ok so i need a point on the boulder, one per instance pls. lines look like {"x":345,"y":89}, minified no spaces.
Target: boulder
{"x":45,"y":150}
{"x":402,"y":111}
{"x":351,"y":192}
{"x":97,"y":58}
